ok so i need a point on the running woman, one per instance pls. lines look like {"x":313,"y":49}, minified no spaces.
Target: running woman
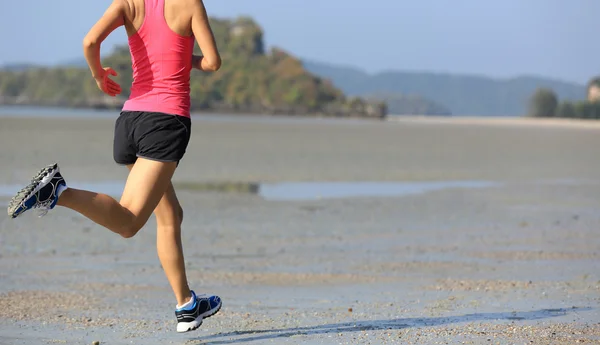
{"x":150,"y":137}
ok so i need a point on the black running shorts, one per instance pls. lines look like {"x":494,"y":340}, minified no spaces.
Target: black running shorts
{"x":157,"y":136}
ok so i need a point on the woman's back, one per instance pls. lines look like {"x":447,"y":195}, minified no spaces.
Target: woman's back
{"x":161,"y":44}
{"x":161,"y":39}
{"x":177,"y":15}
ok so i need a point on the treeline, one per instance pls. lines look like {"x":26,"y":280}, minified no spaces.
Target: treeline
{"x":400,"y":104}
{"x":251,"y":80}
{"x":545,"y":103}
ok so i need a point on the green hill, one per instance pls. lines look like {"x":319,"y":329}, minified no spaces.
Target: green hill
{"x":251,"y":80}
{"x":461,"y":94}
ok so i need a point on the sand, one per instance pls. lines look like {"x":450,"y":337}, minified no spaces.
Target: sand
{"x":516,"y":263}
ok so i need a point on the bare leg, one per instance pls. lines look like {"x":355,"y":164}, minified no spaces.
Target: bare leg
{"x":169,"y":216}
{"x":148,"y":189}
{"x":146,"y":184}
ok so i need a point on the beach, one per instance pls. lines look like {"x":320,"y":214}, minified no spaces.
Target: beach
{"x":411,"y":231}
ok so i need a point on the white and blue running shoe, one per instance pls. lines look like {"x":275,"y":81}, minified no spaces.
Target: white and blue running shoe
{"x":41,"y":194}
{"x":190,"y":317}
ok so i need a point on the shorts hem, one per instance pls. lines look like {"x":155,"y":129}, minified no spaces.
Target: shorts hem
{"x":158,"y":159}
{"x":124,"y":164}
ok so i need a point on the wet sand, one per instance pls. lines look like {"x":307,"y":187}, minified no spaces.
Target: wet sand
{"x":514,"y":263}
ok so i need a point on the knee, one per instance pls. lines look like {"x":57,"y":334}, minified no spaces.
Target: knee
{"x":131,"y":230}
{"x":171,"y":221}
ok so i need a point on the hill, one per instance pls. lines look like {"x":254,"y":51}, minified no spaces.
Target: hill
{"x":251,"y":80}
{"x":461,"y":94}
{"x":397,"y":104}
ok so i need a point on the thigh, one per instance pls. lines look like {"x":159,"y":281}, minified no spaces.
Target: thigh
{"x":146,"y":184}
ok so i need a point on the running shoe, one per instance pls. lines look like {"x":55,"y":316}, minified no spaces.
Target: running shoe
{"x":190,"y":317}
{"x":41,"y":194}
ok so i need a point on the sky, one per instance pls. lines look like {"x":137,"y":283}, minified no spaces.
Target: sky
{"x":502,"y":38}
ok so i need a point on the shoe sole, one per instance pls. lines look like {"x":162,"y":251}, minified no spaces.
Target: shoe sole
{"x":191,"y":326}
{"x":33,"y":187}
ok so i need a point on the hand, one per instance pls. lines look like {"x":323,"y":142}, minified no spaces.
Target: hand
{"x":107,"y":85}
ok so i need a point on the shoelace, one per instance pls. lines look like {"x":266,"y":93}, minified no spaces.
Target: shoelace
{"x":42,"y":208}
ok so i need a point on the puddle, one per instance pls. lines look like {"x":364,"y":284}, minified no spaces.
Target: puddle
{"x":113,"y":188}
{"x":287,"y":190}
{"x":328,"y":190}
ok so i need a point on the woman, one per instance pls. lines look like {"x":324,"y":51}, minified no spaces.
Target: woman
{"x":151,"y":135}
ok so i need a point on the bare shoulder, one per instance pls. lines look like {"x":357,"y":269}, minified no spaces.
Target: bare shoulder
{"x":120,"y":4}
{"x":118,"y":7}
{"x":129,"y":8}
{"x":128,"y":5}
{"x":192,"y":8}
{"x":197,"y":5}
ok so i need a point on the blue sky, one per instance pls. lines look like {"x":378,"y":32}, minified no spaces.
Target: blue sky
{"x":552,"y":38}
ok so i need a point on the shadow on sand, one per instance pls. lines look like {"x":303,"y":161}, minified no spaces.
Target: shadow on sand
{"x":373,"y":325}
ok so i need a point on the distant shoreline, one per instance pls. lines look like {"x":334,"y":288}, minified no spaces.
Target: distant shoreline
{"x":497,"y":121}
{"x":292,"y":113}
{"x":513,"y":121}
{"x":84,"y":113}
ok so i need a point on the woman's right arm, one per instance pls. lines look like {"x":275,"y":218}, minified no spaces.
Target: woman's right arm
{"x":112,"y":18}
{"x":210,"y":61}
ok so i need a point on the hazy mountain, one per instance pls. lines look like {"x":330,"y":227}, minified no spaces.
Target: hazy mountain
{"x":461,"y":94}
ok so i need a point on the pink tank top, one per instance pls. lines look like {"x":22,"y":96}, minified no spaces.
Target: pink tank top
{"x":161,"y":61}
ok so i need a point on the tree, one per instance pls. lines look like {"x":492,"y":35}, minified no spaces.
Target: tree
{"x":593,"y":90}
{"x":567,"y":110}
{"x":543,"y":103}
